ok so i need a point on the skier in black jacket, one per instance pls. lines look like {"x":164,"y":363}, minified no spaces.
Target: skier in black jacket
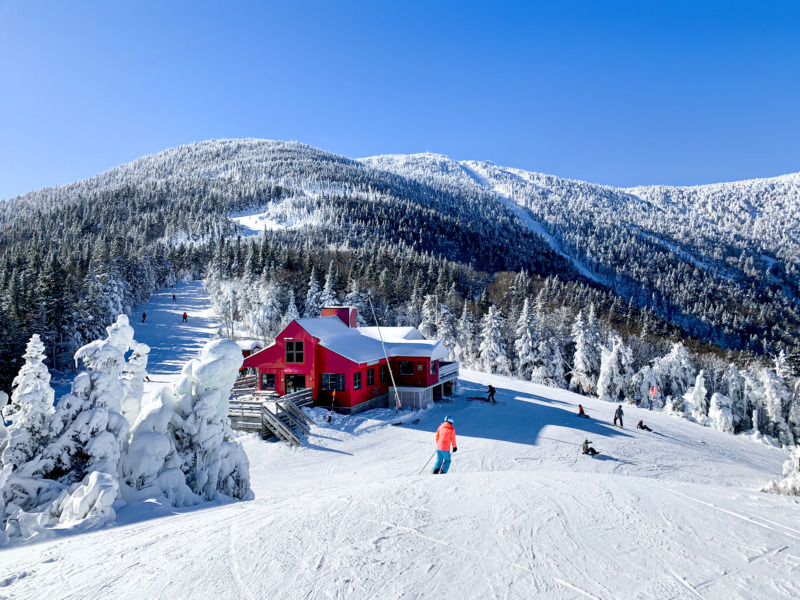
{"x":618,"y":415}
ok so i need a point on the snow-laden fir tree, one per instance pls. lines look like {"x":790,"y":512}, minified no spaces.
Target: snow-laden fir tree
{"x":675,"y":372}
{"x":267,"y":318}
{"x":355,"y":298}
{"x":32,"y":397}
{"x":720,"y":415}
{"x":549,"y":364}
{"x":585,"y":360}
{"x":696,"y":402}
{"x":492,"y":351}
{"x":776,"y":402}
{"x":465,"y":350}
{"x":328,"y":295}
{"x":181,"y":446}
{"x":524,"y":344}
{"x":133,"y":376}
{"x":790,"y":485}
{"x":291,"y":313}
{"x":735,"y":385}
{"x":447,"y":328}
{"x":313,"y":303}
{"x":615,"y":371}
{"x":427,"y":326}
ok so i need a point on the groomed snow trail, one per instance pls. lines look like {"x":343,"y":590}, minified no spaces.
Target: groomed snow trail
{"x":529,"y":222}
{"x":669,"y":514}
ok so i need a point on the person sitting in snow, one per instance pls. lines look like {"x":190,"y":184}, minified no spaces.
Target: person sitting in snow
{"x":491,"y":393}
{"x":618,"y":415}
{"x":587,"y":449}
{"x":445,"y":437}
{"x":581,"y":413}
{"x":641,"y":425}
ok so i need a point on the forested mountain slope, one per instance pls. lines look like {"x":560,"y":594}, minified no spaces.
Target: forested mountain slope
{"x":721,"y":261}
{"x":75,"y":256}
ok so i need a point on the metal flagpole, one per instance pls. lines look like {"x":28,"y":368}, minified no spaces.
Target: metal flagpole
{"x":388,"y":366}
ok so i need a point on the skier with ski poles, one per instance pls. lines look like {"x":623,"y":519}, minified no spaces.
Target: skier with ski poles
{"x":491,"y":394}
{"x":185,"y":316}
{"x":445,"y":437}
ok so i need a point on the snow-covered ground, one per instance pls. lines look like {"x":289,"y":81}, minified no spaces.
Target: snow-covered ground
{"x":355,"y":513}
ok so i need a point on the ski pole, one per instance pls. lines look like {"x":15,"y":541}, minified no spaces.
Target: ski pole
{"x":426,"y":464}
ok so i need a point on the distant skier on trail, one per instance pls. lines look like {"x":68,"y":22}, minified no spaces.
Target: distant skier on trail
{"x":587,"y":449}
{"x":185,"y":316}
{"x":618,"y":415}
{"x":144,"y":317}
{"x":491,"y":394}
{"x":581,"y":413}
{"x":445,"y":437}
{"x":641,"y":425}
{"x":173,"y":298}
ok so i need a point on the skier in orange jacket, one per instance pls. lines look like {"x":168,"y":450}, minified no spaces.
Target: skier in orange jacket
{"x":445,"y":437}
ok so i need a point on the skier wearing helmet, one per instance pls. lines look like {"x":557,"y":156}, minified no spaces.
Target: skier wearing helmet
{"x":445,"y":437}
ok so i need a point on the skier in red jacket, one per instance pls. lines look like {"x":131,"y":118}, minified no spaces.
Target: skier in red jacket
{"x":445,"y":437}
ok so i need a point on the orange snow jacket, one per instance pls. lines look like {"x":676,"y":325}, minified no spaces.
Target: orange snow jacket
{"x":445,"y":437}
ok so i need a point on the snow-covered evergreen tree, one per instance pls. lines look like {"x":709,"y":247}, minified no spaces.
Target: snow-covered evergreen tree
{"x":776,"y":402}
{"x":356,"y":299}
{"x":492,"y":351}
{"x":615,"y":371}
{"x":291,"y":313}
{"x":697,"y":399}
{"x":313,"y":303}
{"x":181,"y":446}
{"x":735,"y":386}
{"x":328,"y":295}
{"x":585,"y":360}
{"x":32,"y":397}
{"x":524,"y":348}
{"x":644,"y":379}
{"x":790,"y":485}
{"x":549,"y":364}
{"x":465,"y":350}
{"x":676,"y":373}
{"x":720,"y":415}
{"x":427,"y":326}
{"x":447,"y":328}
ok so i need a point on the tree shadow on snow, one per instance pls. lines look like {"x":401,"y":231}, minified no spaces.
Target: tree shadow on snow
{"x":518,"y":421}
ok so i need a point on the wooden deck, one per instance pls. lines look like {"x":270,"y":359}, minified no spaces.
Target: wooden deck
{"x":279,"y":417}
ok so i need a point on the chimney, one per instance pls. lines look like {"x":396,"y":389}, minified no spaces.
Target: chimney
{"x":347,"y":314}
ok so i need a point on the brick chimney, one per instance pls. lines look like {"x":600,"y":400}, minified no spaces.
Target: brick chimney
{"x":346,"y":313}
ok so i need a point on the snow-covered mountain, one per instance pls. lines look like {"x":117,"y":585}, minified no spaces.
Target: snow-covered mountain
{"x":721,"y":262}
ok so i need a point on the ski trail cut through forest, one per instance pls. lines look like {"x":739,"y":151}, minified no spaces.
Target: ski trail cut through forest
{"x":529,"y":222}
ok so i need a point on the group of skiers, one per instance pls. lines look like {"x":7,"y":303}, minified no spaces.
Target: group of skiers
{"x":618,"y":414}
{"x":446,"y":436}
{"x":185,"y":315}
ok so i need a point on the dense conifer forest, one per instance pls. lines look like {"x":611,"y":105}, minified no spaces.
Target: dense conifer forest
{"x":616,"y":291}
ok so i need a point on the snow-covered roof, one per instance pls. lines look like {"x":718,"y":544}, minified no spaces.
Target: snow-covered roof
{"x":359,"y":347}
{"x":393,"y":334}
{"x":248,"y":345}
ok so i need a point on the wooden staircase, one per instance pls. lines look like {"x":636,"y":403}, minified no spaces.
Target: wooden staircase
{"x":280,"y":417}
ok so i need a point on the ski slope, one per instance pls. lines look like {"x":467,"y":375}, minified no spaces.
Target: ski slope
{"x":355,"y":513}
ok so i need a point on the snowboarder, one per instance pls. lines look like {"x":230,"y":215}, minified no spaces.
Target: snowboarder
{"x":618,"y":415}
{"x":491,"y":394}
{"x":641,"y":425}
{"x":445,"y":437}
{"x":144,"y":317}
{"x":185,"y":316}
{"x":581,"y":413}
{"x":173,"y":298}
{"x":587,"y":449}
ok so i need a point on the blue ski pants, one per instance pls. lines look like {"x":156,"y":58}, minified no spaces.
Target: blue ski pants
{"x":442,"y":460}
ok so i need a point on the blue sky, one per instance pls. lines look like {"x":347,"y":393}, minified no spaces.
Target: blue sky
{"x":621,"y":93}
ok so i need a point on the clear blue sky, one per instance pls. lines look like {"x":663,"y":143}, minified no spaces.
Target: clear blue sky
{"x":622,"y":93}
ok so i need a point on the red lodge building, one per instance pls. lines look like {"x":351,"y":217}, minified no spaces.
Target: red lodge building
{"x":345,"y":366}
